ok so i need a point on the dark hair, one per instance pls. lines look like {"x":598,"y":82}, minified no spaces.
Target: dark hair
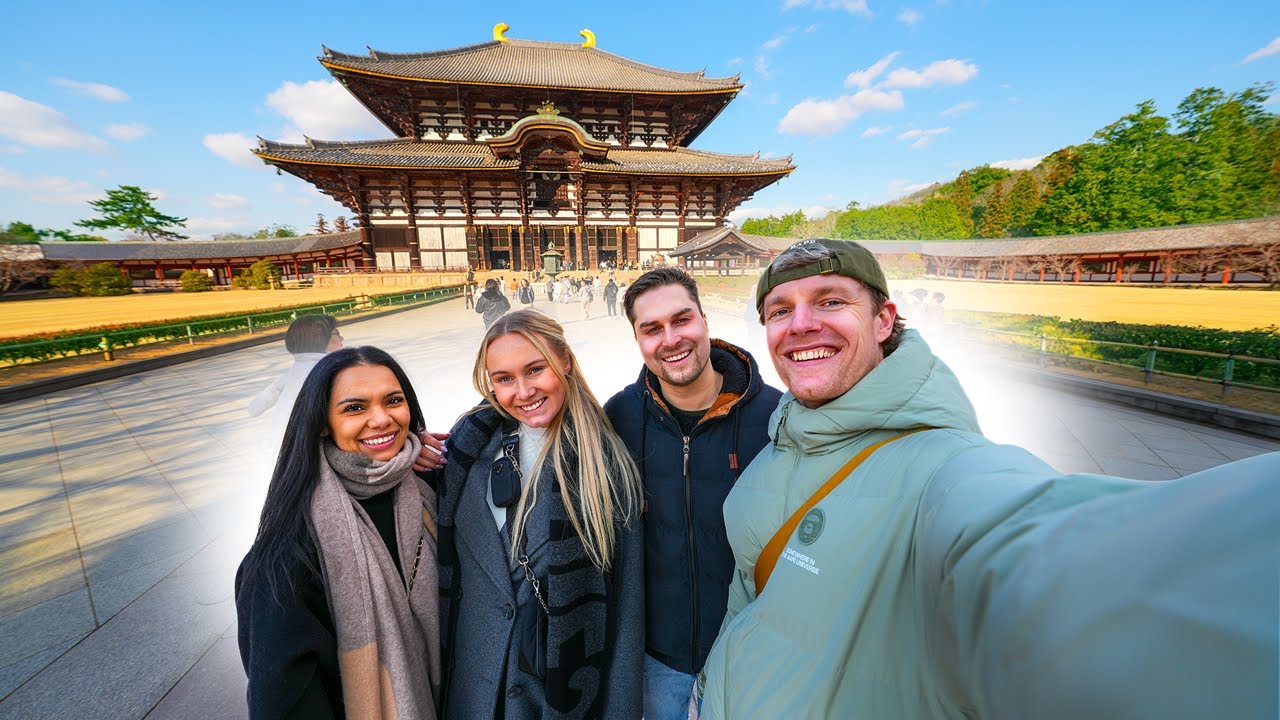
{"x":656,"y":278}
{"x":490,"y":284}
{"x":309,"y":334}
{"x":283,"y":535}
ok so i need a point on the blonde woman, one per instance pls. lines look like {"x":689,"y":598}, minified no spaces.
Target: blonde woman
{"x":540,"y":541}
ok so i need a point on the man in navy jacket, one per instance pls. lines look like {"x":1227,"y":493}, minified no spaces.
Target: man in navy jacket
{"x":695,"y":417}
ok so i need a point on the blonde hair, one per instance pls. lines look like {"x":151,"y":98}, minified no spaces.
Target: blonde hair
{"x":607,"y":483}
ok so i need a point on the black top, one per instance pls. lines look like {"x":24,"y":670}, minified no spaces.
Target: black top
{"x":288,"y":642}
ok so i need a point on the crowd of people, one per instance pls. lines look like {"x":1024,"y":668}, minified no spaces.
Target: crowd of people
{"x":552,"y":556}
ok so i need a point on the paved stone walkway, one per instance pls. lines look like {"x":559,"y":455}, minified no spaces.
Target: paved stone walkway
{"x":126,"y":506}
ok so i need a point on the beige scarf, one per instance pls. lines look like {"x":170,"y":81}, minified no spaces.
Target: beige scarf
{"x":388,"y":628}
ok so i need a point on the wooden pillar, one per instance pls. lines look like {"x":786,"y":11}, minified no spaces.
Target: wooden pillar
{"x":473,"y":248}
{"x":630,"y":243}
{"x":367,"y":257}
{"x":1077,"y":274}
{"x":1119,"y":269}
{"x":1042,"y":274}
{"x":1226,"y":275}
{"x":159,"y":272}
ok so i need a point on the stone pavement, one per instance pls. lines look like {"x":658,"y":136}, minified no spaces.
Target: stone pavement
{"x":126,"y":506}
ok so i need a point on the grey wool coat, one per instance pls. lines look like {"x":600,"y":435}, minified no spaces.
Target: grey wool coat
{"x":595,"y":645}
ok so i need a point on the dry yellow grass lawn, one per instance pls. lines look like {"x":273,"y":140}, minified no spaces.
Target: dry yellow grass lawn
{"x":1240,"y":309}
{"x":27,"y":317}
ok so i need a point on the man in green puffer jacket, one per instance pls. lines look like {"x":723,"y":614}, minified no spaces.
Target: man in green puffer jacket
{"x":950,"y":577}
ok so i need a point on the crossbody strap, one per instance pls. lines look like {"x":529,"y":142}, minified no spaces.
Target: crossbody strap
{"x":769,"y":556}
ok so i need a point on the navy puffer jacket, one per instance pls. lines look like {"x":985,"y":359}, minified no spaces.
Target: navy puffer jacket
{"x":688,"y":561}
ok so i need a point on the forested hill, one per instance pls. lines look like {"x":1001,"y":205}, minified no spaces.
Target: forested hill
{"x":1216,"y":158}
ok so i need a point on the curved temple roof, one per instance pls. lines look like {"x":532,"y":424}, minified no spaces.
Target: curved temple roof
{"x":529,"y":63}
{"x":405,"y":153}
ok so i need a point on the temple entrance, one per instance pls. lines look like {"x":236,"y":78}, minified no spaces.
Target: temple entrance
{"x":609,"y":256}
{"x":500,"y":259}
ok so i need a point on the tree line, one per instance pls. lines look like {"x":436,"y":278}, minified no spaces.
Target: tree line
{"x":1217,"y":158}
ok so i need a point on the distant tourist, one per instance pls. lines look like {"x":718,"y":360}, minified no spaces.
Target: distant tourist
{"x":526,"y":293}
{"x":337,"y":601}
{"x":611,"y":297}
{"x":586,"y":294}
{"x":492,"y":303}
{"x":307,"y":339}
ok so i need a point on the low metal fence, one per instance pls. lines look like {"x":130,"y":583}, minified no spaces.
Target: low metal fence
{"x":1228,"y":370}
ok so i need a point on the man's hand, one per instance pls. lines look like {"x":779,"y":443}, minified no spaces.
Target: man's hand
{"x":432,"y":455}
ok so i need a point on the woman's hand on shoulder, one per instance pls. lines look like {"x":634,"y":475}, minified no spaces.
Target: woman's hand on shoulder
{"x":432,"y":455}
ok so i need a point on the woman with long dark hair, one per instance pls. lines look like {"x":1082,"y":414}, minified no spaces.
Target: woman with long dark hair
{"x":337,"y":600}
{"x":541,"y":570}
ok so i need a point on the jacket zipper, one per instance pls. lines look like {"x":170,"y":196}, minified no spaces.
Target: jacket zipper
{"x":693,"y":557}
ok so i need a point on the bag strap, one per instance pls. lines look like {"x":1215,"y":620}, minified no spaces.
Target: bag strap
{"x":769,"y":556}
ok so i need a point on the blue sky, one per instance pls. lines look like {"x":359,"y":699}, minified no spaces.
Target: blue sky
{"x":872,"y":98}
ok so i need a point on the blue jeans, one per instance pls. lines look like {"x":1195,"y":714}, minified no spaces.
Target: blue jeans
{"x":666,"y":691}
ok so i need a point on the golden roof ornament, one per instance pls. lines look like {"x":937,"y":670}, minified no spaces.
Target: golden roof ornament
{"x":589,"y":38}
{"x":548,"y":109}
{"x":500,"y":32}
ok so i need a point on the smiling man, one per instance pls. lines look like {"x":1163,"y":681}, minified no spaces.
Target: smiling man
{"x":891,"y":562}
{"x":692,"y":420}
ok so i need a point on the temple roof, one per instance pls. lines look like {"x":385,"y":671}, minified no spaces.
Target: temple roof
{"x":408,"y":153}
{"x":529,"y":63}
{"x":704,"y":241}
{"x":198,"y":250}
{"x":1232,"y":233}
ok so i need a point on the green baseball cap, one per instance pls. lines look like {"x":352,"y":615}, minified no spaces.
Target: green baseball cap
{"x":850,"y":259}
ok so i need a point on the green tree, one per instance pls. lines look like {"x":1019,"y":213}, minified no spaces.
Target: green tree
{"x":94,"y":281}
{"x":129,"y":207}
{"x":995,"y":216}
{"x":785,"y":226}
{"x":961,"y":195}
{"x":1021,"y":203}
{"x":266,"y":276}
{"x":1224,"y":159}
{"x":20,"y":233}
{"x":340,"y":224}
{"x":985,"y":176}
{"x":322,"y":227}
{"x":276,"y":230}
{"x":195,"y":281}
{"x":1059,"y":211}
{"x":939,"y":220}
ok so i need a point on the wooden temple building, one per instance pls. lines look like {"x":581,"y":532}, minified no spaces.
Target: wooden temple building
{"x":506,"y":148}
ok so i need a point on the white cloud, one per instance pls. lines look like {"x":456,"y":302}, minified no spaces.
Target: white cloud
{"x":49,"y":189}
{"x":941,"y":72}
{"x":277,"y":187}
{"x":853,"y":7}
{"x":324,"y":109}
{"x":812,"y":27}
{"x":922,"y":138}
{"x":762,"y":66}
{"x":910,"y":16}
{"x":898,"y":188}
{"x":92,"y":89}
{"x":31,"y":123}
{"x":826,"y":117}
{"x":1019,"y":163}
{"x":126,"y":132}
{"x":774,"y":43}
{"x":1271,"y":48}
{"x":874,"y":131}
{"x":12,"y":150}
{"x":959,"y":108}
{"x":733,"y":62}
{"x":772,"y":99}
{"x":864,"y":78}
{"x":227,"y":201}
{"x":234,"y":148}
